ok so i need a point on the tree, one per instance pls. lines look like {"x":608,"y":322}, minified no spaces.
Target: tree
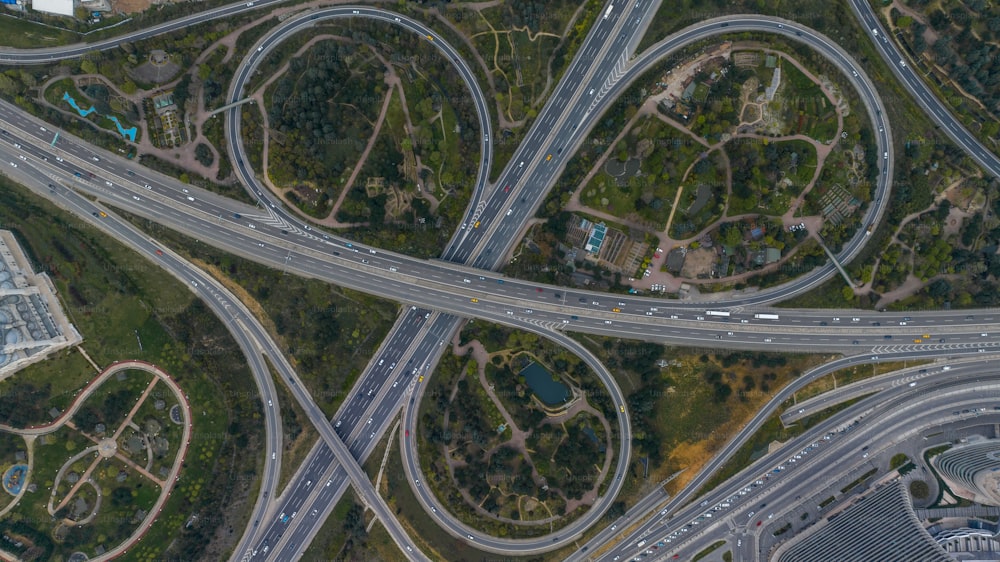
{"x":848,"y":293}
{"x":87,"y":66}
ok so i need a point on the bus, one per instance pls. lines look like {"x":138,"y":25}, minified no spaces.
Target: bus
{"x":766,"y":316}
{"x":608,"y":11}
{"x":717,"y":313}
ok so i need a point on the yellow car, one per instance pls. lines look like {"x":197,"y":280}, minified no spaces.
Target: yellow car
{"x":473,"y":299}
{"x":420,"y":379}
{"x":927,"y":336}
{"x":622,"y":409}
{"x":918,"y":341}
{"x":616,"y":310}
{"x":103,"y":214}
{"x":476,"y":225}
{"x":549,"y":157}
{"x":430,"y":37}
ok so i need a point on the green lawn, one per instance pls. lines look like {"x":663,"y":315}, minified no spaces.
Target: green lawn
{"x":22,"y":34}
{"x":110,"y":293}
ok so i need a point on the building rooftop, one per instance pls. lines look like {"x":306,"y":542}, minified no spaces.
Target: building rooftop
{"x":880,"y":526}
{"x":597,"y":235}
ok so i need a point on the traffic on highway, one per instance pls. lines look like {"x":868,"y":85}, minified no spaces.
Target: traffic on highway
{"x":439,"y":294}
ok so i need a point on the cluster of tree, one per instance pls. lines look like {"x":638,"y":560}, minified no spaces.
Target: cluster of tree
{"x":754,"y":163}
{"x":354,"y":529}
{"x":203,"y":154}
{"x":25,"y":404}
{"x":324,"y":106}
{"x":970,"y":56}
{"x":577,"y":458}
{"x":721,"y":110}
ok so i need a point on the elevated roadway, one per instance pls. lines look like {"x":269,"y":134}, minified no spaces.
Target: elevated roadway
{"x":609,"y":330}
{"x":808,"y":463}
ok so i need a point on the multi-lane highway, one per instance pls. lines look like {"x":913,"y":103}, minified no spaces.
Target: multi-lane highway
{"x":45,"y":55}
{"x":248,"y":68}
{"x":808,"y":464}
{"x":491,"y":225}
{"x":243,"y":240}
{"x":920,"y":92}
{"x":249,"y":332}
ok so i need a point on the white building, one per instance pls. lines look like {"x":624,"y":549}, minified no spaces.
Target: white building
{"x":60,"y":7}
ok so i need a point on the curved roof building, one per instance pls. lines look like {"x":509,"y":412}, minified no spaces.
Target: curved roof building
{"x":880,"y":526}
{"x":972,"y":471}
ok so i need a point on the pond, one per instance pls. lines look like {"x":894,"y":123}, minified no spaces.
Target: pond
{"x":126,"y":133}
{"x":550,"y":392}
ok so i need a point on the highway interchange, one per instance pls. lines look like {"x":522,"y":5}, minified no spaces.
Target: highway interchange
{"x":587,"y":90}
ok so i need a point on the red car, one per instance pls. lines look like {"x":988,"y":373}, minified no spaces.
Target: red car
{"x":759,"y":522}
{"x":539,"y":289}
{"x":159,"y":252}
{"x":407,"y":432}
{"x":506,"y":189}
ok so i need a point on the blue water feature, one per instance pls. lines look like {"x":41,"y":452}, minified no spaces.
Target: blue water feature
{"x":550,"y":392}
{"x":13,"y":479}
{"x":126,"y":133}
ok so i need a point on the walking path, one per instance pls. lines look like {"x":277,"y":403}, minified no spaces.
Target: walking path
{"x":107,"y":449}
{"x":518,"y":442}
{"x":649,"y":108}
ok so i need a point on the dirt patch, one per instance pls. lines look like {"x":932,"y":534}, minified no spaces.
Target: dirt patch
{"x":130,"y":6}
{"x":698,"y":263}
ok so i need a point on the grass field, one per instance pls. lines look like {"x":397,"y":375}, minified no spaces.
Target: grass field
{"x":23,"y":34}
{"x":112,"y":294}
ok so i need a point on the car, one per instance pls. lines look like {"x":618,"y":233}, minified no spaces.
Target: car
{"x":506,"y":189}
{"x":619,"y":310}
{"x":102,"y":214}
{"x":902,"y":63}
{"x":473,"y":299}
{"x":549,"y":157}
{"x":95,"y":159}
{"x":621,"y":408}
{"x":13,"y":164}
{"x":510,"y":212}
{"x":476,"y":225}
